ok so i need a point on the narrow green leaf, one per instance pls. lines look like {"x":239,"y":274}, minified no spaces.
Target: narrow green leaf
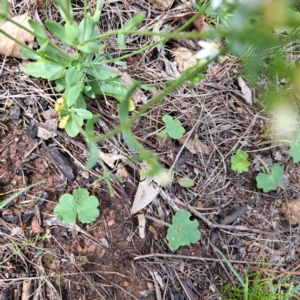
{"x":65,"y":10}
{"x":91,"y":30}
{"x":121,"y":41}
{"x":295,"y":148}
{"x":136,"y":20}
{"x":72,"y":30}
{"x":89,"y":127}
{"x":73,"y":75}
{"x":71,"y":128}
{"x":94,"y":155}
{"x":100,"y":72}
{"x":186,"y":182}
{"x":91,"y":47}
{"x":4,"y":5}
{"x":44,"y":69}
{"x":59,"y":31}
{"x":15,"y":195}
{"x":53,"y":52}
{"x":39,"y":31}
{"x":83,"y":113}
{"x":29,"y":54}
{"x":72,"y":93}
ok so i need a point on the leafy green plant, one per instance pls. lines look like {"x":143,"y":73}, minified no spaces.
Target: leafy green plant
{"x":239,"y":161}
{"x":183,"y":231}
{"x":173,"y":128}
{"x":78,"y":205}
{"x":271,"y":180}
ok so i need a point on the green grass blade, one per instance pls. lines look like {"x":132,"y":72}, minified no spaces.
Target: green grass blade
{"x":12,"y":197}
{"x":236,"y":274}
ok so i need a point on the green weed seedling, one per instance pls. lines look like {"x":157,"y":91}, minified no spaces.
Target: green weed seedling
{"x":183,"y":231}
{"x":78,"y":205}
{"x":173,"y":128}
{"x":239,"y":161}
{"x":271,"y":180}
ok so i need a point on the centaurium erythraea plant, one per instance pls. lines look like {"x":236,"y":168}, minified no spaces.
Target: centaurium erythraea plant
{"x":209,"y":52}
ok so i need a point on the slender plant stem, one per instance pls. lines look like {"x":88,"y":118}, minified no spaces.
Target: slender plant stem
{"x":5,"y":18}
{"x":84,"y":18}
{"x":18,"y":42}
{"x":160,"y":41}
{"x":265,"y":166}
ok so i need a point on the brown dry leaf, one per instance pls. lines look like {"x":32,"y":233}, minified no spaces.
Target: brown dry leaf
{"x":246,"y":91}
{"x":291,"y":210}
{"x":185,"y":58}
{"x":161,"y":5}
{"x":194,"y":145}
{"x":145,"y":194}
{"x":199,"y":23}
{"x":110,"y":158}
{"x":8,"y":46}
{"x":36,"y":228}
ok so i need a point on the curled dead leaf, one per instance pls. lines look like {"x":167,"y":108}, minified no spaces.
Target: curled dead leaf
{"x":36,"y":228}
{"x":8,"y":46}
{"x":246,"y":91}
{"x":110,"y":158}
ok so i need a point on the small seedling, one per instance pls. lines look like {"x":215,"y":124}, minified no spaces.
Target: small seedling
{"x":186,"y":182}
{"x":239,"y":161}
{"x":80,"y":205}
{"x":270,"y":181}
{"x":183,"y":231}
{"x":173,"y":128}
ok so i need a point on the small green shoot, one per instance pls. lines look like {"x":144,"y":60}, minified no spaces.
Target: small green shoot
{"x":295,"y":148}
{"x":183,"y":231}
{"x":173,"y":128}
{"x":239,"y":161}
{"x":80,"y":205}
{"x":270,"y":181}
{"x":12,"y":197}
{"x":186,"y":182}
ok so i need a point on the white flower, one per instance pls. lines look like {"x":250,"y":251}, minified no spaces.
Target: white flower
{"x":209,"y":51}
{"x":216,"y":3}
